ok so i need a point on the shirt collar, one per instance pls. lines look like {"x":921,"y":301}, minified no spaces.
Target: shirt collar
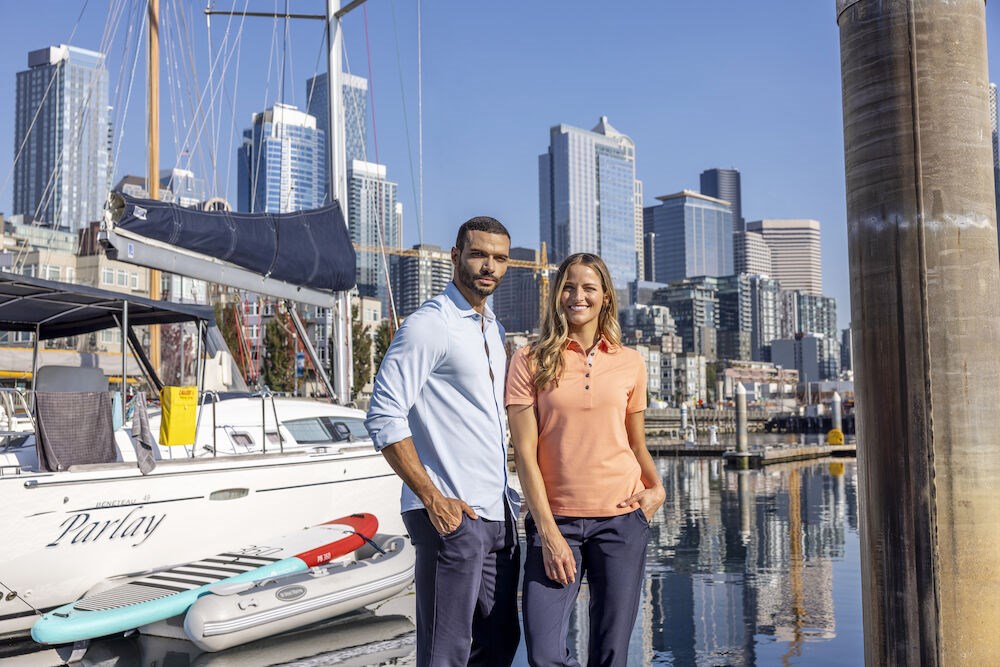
{"x":463,"y":306}
{"x":602,"y":344}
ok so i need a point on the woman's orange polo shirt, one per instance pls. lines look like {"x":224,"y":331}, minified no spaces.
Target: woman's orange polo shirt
{"x":583,"y":449}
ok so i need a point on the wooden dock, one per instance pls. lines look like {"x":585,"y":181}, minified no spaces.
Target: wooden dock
{"x":758,"y":456}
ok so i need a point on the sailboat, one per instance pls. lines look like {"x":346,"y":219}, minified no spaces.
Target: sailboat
{"x":108,"y":503}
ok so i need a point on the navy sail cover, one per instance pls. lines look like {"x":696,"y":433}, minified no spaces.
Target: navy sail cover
{"x":306,"y":248}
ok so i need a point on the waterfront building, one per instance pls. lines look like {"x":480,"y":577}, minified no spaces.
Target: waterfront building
{"x":724,"y":184}
{"x":374,"y":221}
{"x":795,"y":252}
{"x":735,"y":316}
{"x":694,"y":305}
{"x":280,"y":163}
{"x":765,"y":299}
{"x":355,"y":96}
{"x":587,"y":197}
{"x":651,"y":356}
{"x":693,"y":236}
{"x":516,"y":300}
{"x":418,"y":277}
{"x":751,"y":254}
{"x":642,"y":291}
{"x":801,"y":352}
{"x":176,"y":186}
{"x":62,"y":133}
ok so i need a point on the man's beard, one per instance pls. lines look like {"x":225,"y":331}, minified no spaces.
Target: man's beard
{"x":468,"y":279}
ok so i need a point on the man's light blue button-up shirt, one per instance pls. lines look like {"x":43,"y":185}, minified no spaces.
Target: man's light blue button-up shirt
{"x":435,"y":386}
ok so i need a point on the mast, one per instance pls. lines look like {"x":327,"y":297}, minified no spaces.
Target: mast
{"x":337,"y":161}
{"x":153,"y":166}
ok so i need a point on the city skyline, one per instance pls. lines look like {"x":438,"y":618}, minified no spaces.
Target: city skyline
{"x":693,"y":92}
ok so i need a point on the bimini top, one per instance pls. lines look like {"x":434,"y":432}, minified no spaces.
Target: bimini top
{"x":60,"y":309}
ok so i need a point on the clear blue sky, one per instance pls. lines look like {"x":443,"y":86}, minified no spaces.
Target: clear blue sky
{"x":713,"y":83}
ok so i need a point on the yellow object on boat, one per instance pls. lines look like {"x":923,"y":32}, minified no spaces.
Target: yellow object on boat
{"x":177,"y":422}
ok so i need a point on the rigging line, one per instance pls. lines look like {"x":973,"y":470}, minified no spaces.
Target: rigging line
{"x":284,"y":53}
{"x":256,"y":146}
{"x":380,"y":218}
{"x":122,"y":90}
{"x":359,"y":117}
{"x":128,"y":97}
{"x":232,"y":106}
{"x":201,"y":100}
{"x":190,"y":77}
{"x":420,"y":122}
{"x":170,"y":66}
{"x":406,"y":122}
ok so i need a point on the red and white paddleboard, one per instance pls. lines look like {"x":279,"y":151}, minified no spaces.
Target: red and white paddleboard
{"x":169,"y":592}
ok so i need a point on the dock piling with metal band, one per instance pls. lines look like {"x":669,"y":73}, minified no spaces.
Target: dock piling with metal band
{"x":922,"y":243}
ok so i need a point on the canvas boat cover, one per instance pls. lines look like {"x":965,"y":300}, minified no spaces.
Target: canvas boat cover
{"x":309,"y":249}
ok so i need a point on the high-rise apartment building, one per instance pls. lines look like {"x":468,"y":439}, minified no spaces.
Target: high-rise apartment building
{"x":751,"y":254}
{"x":375,"y":220}
{"x":692,"y":236}
{"x":280,"y":164}
{"x":516,"y":299}
{"x":419,"y":277}
{"x":724,"y":184}
{"x":587,"y":197}
{"x":735,"y":316}
{"x":795,"y":252}
{"x":765,"y":308}
{"x":694,"y":305}
{"x":355,"y":92}
{"x":61,"y":138}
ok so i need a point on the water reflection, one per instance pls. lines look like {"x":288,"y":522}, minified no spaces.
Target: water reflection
{"x":745,"y":568}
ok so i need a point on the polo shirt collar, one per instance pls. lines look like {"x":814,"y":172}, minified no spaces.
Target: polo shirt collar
{"x":463,"y":306}
{"x":602,"y":344}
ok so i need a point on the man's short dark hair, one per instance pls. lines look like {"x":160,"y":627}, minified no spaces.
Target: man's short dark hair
{"x":481,"y":223}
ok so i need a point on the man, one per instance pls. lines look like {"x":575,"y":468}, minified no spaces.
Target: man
{"x":437,"y":415}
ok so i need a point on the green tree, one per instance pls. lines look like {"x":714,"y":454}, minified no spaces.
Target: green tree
{"x":279,"y":360}
{"x":361,"y":344}
{"x":382,"y":339}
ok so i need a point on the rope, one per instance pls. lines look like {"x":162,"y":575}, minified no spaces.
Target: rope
{"x":406,"y":126}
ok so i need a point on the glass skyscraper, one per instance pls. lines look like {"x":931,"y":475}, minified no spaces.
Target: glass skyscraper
{"x":587,"y":197}
{"x":280,"y":163}
{"x":724,"y":184}
{"x":692,"y":236}
{"x":61,"y":138}
{"x":355,"y":91}
{"x":375,"y":220}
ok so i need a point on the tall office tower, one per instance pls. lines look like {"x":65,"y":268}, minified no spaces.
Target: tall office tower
{"x":646,"y":324}
{"x":355,"y":91}
{"x":788,"y":313}
{"x":995,"y":128}
{"x":515,"y":300}
{"x":648,"y":259}
{"x":61,"y":145}
{"x":587,"y":197}
{"x":795,"y":252}
{"x":735,"y":317}
{"x":724,"y":184}
{"x":280,"y":164}
{"x":693,"y":236}
{"x":751,"y":254}
{"x":416,"y":278}
{"x":374,"y":222}
{"x":765,"y":301}
{"x":694,"y":305}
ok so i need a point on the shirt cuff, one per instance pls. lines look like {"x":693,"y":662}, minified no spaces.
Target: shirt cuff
{"x":519,"y":400}
{"x":390,"y":433}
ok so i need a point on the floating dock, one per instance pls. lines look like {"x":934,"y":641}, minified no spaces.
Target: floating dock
{"x":758,"y":456}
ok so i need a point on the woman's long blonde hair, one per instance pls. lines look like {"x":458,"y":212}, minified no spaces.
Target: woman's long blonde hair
{"x":546,"y":353}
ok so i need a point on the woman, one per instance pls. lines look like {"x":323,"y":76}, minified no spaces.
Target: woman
{"x":575,"y":403}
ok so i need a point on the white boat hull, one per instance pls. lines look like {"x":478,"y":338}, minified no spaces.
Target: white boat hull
{"x":68,"y":532}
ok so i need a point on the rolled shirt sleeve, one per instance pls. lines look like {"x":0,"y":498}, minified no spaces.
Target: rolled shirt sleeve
{"x":637,"y":397}
{"x":520,"y":389}
{"x":416,"y":350}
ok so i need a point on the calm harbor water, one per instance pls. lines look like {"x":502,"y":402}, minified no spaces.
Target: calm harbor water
{"x":745,"y":568}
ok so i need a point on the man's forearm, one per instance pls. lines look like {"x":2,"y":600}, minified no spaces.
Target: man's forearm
{"x":403,"y":459}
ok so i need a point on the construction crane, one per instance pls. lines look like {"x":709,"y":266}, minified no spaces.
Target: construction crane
{"x":541,"y":268}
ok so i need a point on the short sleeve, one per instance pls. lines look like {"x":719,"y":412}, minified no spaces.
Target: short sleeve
{"x":637,"y":397}
{"x":520,"y":389}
